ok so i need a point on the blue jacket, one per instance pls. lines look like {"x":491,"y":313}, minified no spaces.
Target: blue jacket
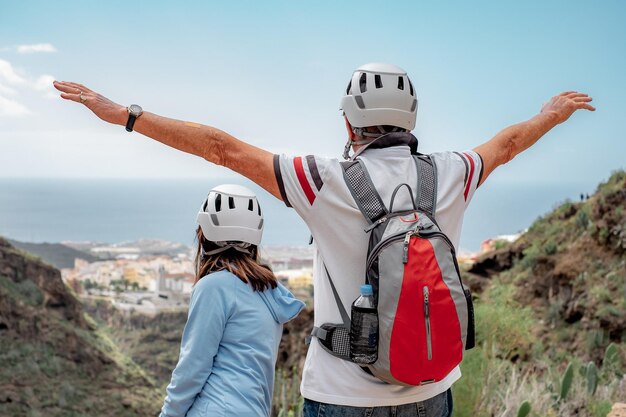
{"x":228,"y":349}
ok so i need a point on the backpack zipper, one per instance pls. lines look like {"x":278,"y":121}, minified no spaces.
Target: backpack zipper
{"x":429,"y":346}
{"x":389,"y":241}
{"x":406,"y":236}
{"x":376,"y":223}
{"x":405,"y":249}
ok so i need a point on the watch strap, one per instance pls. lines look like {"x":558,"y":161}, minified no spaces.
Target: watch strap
{"x":131,"y":122}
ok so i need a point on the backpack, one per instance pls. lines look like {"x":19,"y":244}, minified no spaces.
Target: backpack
{"x":425,"y":314}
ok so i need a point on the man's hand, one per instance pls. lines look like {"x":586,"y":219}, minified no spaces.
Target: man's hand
{"x":513,"y":140}
{"x":101,"y":106}
{"x":565,"y":104}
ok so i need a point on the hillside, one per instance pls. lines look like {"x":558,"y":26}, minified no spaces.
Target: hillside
{"x":570,"y":268}
{"x":56,"y":254}
{"x":549,"y":307}
{"x":54,"y":361}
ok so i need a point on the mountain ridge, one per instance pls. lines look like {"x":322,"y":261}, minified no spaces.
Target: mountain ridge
{"x":54,"y":360}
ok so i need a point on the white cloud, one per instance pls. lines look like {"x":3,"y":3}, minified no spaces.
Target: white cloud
{"x":35,"y":48}
{"x":44,"y":85}
{"x":12,"y":108}
{"x":7,"y":91}
{"x":12,"y":82}
{"x":9,"y":74}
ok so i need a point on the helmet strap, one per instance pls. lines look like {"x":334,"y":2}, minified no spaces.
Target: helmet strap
{"x":236,"y":246}
{"x":369,"y":137}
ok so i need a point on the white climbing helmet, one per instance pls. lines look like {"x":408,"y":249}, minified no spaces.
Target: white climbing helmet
{"x":378,"y":95}
{"x":231,"y":213}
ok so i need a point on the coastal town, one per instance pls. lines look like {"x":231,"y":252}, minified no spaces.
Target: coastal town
{"x":153,"y":276}
{"x":150,"y":276}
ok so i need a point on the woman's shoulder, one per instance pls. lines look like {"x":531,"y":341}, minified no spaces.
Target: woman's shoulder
{"x":216,"y":281}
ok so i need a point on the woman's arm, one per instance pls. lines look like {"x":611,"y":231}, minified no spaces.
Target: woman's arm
{"x":207,"y":142}
{"x":515,"y":139}
{"x":209,"y":309}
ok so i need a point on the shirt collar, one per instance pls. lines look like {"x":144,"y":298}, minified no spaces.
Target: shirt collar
{"x":390,"y":139}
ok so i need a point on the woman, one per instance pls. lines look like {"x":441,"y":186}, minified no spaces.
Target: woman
{"x":237,"y":309}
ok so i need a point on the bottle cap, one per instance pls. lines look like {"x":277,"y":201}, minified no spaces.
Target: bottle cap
{"x":367,"y":290}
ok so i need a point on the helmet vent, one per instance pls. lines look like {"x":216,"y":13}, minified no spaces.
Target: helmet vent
{"x":359,"y":102}
{"x":218,"y":203}
{"x":231,"y":203}
{"x":258,"y":209}
{"x":349,"y":87}
{"x":363,"y":82}
{"x":411,"y":88}
{"x":400,"y":83}
{"x":250,"y":205}
{"x":377,"y":81}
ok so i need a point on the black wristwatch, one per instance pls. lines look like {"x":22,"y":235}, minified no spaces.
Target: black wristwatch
{"x":134,"y":111}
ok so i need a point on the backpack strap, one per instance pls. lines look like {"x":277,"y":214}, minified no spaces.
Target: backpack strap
{"x":321,"y":333}
{"x":362,"y":189}
{"x":368,"y":200}
{"x":426,"y":195}
{"x":344,"y":314}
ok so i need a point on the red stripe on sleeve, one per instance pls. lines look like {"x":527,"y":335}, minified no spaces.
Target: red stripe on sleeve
{"x":304,"y":183}
{"x":471,"y":175}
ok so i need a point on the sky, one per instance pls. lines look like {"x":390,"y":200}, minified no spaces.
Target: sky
{"x":272,"y":73}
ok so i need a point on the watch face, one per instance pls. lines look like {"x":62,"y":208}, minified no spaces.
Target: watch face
{"x":135,"y":109}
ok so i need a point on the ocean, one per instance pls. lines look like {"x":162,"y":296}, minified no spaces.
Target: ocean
{"x":117,"y":210}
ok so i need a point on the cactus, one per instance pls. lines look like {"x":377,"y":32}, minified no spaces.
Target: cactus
{"x":566,"y":382}
{"x":524,"y":409}
{"x":611,"y":361}
{"x":610,"y":356}
{"x":592,"y":378}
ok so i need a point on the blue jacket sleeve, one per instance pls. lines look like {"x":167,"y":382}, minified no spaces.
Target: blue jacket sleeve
{"x":211,"y":304}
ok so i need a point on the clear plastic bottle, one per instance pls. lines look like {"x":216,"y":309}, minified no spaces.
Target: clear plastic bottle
{"x":364,"y":328}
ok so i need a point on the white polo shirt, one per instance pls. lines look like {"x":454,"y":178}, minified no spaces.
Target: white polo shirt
{"x":316,"y":189}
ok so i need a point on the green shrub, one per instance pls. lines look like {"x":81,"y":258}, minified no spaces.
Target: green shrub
{"x":582,"y":219}
{"x":550,"y":248}
{"x":599,"y":408}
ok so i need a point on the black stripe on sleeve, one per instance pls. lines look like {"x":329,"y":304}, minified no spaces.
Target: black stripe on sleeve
{"x":310,"y":160}
{"x":482,"y":167}
{"x":466,"y":166}
{"x":279,"y":180}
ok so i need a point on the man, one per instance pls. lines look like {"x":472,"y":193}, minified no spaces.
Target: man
{"x":380,"y":107}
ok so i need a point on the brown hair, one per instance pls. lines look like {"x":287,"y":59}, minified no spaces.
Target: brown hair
{"x":247,"y":267}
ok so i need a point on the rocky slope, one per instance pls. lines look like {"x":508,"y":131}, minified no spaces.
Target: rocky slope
{"x":570,"y":267}
{"x":553,"y":301}
{"x":54,"y":361}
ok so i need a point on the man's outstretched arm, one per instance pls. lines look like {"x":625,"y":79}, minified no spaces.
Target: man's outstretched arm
{"x":515,"y":139}
{"x":210,"y":143}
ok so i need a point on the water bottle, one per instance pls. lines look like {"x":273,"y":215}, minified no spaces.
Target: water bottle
{"x":364,"y":328}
